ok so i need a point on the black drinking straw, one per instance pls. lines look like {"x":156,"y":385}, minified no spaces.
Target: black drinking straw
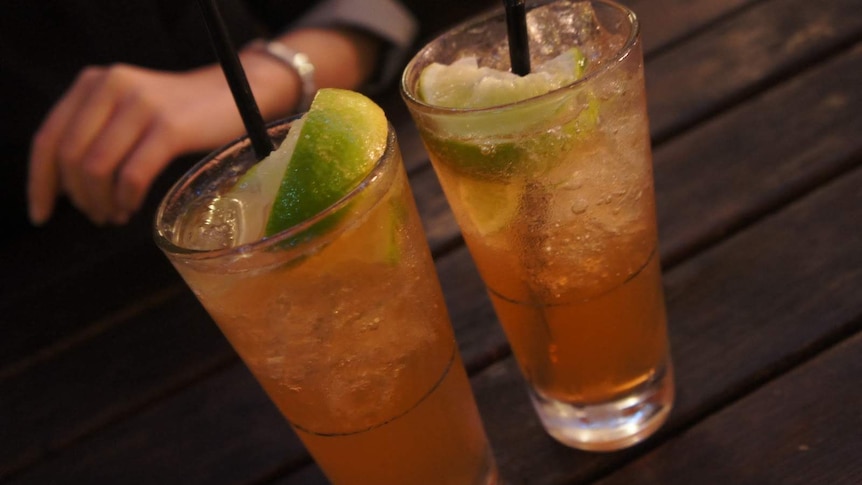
{"x":519,"y":48}
{"x":236,"y":79}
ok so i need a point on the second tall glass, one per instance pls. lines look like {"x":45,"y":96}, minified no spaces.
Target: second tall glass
{"x":554,"y":197}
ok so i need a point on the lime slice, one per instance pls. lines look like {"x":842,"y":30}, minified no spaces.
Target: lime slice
{"x":341,"y":138}
{"x":489,"y":205}
{"x":499,"y":139}
{"x":326,"y":153}
{"x":463,"y":84}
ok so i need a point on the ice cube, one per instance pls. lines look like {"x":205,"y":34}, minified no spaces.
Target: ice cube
{"x":554,"y":28}
{"x":209,"y":223}
{"x":222,"y":222}
{"x":558,"y":26}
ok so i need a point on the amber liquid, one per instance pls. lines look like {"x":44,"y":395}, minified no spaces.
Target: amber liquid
{"x":564,"y":236}
{"x":594,"y":350}
{"x":554,"y":197}
{"x":582,"y":308}
{"x":586,"y":327}
{"x":415,"y":447}
{"x":352,"y":342}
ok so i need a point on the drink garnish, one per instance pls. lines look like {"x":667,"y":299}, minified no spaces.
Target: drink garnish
{"x":490,"y":95}
{"x":496,"y":148}
{"x":327,"y":152}
{"x":464,"y":84}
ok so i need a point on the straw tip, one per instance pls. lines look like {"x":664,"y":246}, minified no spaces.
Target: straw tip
{"x":516,"y":25}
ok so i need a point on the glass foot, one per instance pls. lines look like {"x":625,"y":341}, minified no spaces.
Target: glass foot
{"x":612,"y":425}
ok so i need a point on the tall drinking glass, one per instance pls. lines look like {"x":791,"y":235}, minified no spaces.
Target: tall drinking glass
{"x":554,"y":197}
{"x":341,"y":320}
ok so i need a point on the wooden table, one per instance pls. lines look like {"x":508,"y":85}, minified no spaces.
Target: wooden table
{"x":111,"y":373}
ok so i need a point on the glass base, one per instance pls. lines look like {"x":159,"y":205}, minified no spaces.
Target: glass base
{"x":612,"y":425}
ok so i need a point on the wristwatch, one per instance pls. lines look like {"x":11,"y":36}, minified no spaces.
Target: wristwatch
{"x":299,"y":63}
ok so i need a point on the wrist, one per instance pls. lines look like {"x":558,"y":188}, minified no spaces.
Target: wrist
{"x":295,"y":61}
{"x":277,"y":88}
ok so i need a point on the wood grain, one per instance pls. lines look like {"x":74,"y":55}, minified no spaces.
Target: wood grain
{"x":742,"y":56}
{"x":740,"y":314}
{"x":746,"y":167}
{"x":110,"y":372}
{"x":801,"y":429}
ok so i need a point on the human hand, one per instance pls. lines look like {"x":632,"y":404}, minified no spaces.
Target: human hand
{"x":116,"y":128}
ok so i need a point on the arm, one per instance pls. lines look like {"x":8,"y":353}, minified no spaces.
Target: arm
{"x":116,"y":128}
{"x":342,"y":58}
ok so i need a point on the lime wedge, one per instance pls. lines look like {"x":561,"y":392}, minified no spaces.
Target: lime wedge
{"x":341,"y":138}
{"x":326,"y":153}
{"x":489,"y":205}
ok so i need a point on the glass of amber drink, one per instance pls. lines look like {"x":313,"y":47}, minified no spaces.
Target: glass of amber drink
{"x":341,"y":320}
{"x":554,"y":196}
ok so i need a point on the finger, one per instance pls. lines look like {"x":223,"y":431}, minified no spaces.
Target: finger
{"x":153,"y":152}
{"x":43,"y":182}
{"x":86,"y":125}
{"x":112,"y":146}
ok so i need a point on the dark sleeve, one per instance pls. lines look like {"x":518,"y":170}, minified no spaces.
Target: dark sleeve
{"x":276,"y":15}
{"x":388,"y":20}
{"x":436,"y":16}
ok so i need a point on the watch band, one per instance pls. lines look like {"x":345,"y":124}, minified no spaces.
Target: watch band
{"x":300,"y":64}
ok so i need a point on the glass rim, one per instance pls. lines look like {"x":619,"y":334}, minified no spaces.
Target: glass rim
{"x":618,"y":57}
{"x":267,"y":242}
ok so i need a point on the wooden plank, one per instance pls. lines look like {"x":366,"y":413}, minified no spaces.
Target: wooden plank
{"x":745,"y":167}
{"x":38,"y":269}
{"x":803,"y":428}
{"x":59,"y":279}
{"x":665,"y":22}
{"x":743,"y":55}
{"x":216,"y":432}
{"x":775,"y":311}
{"x":101,"y":380}
{"x":473,"y":297}
{"x":739,"y":314}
